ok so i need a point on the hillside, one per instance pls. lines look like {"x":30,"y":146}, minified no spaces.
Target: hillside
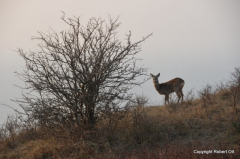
{"x":203,"y":127}
{"x":145,"y":132}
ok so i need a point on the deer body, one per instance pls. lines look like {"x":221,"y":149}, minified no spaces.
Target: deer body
{"x":174,"y":85}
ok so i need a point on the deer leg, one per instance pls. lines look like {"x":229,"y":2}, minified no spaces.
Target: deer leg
{"x":181,"y":95}
{"x":167,"y":98}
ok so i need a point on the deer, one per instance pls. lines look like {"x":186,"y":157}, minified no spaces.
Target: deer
{"x":174,"y":85}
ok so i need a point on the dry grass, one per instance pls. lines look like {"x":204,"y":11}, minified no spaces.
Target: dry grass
{"x":145,"y":132}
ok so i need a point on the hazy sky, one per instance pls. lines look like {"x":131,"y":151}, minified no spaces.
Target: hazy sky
{"x":198,"y":41}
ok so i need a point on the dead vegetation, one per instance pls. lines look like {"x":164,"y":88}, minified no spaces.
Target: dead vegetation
{"x":142,"y":132}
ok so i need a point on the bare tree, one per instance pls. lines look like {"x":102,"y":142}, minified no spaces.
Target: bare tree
{"x":208,"y":97}
{"x":235,"y":77}
{"x":138,"y":108}
{"x":80,"y":73}
{"x":208,"y":94}
{"x":231,"y":89}
{"x":189,"y":97}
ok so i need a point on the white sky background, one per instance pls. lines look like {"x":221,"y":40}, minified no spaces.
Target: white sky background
{"x":198,"y":41}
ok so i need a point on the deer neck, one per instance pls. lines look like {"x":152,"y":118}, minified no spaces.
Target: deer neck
{"x":156,"y":85}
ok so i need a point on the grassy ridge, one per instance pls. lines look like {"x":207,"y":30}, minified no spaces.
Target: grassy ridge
{"x":145,"y":132}
{"x":210,"y":123}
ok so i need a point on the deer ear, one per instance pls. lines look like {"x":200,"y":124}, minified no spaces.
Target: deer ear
{"x":158,"y":74}
{"x":151,"y":75}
